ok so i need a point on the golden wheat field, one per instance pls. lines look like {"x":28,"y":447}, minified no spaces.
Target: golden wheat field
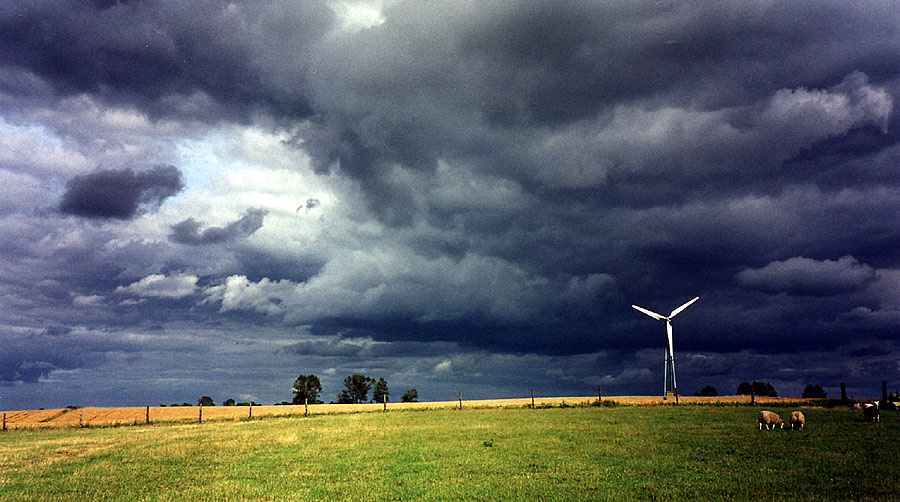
{"x":97,"y":416}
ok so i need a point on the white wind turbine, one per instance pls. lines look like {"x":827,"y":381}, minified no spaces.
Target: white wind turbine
{"x":670,"y":356}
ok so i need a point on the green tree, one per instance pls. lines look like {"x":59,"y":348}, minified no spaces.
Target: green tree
{"x":410,"y":396}
{"x":814,"y":391}
{"x":709,"y":390}
{"x":380,"y":391}
{"x":356,"y":389}
{"x":205,"y":401}
{"x":757,"y":388}
{"x":307,"y":387}
{"x":228,"y":402}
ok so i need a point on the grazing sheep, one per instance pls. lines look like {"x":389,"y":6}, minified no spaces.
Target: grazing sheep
{"x":871,"y":412}
{"x":797,"y":419}
{"x":768,"y":418}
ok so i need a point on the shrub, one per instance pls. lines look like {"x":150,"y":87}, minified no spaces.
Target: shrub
{"x":410,"y":396}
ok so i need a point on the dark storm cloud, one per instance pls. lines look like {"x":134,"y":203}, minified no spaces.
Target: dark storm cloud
{"x":29,"y":357}
{"x":569,"y":96}
{"x":119,"y":193}
{"x":150,"y":53}
{"x":188,"y":231}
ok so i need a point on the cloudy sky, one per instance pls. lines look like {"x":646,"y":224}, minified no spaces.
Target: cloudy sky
{"x":210,"y":198}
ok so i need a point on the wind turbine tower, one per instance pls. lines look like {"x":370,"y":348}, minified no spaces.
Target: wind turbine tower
{"x":669,"y":384}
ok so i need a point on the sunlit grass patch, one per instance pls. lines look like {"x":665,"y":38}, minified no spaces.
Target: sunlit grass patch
{"x":576,"y":453}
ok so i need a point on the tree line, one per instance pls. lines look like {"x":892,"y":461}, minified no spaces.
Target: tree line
{"x":307,"y":389}
{"x":763,"y":389}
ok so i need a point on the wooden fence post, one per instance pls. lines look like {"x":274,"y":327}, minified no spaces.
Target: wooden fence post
{"x":306,"y":406}
{"x":251,"y":410}
{"x":384,"y":401}
{"x":148,"y":415}
{"x":460,"y":400}
{"x":532,"y":399}
{"x":80,"y":418}
{"x":200,"y":417}
{"x":843,"y":391}
{"x":599,"y":395}
{"x":4,"y":421}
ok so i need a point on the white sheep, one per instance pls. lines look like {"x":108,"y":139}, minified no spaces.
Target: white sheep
{"x":769,"y":418}
{"x":871,"y":411}
{"x":797,"y":419}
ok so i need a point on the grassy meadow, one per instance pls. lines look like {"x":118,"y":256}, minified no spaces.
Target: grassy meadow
{"x":560,"y":453}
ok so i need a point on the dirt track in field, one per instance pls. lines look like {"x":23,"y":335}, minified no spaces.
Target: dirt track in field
{"x":89,"y":415}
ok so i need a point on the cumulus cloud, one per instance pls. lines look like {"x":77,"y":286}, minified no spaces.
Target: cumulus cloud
{"x":161,"y":286}
{"x":239,"y":293}
{"x":35,"y":151}
{"x":188,"y":231}
{"x":443,"y":366}
{"x":87,"y":300}
{"x":815,"y":114}
{"x":806,"y":276}
{"x":119,"y":193}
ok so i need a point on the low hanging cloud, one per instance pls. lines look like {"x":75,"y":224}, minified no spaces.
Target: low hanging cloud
{"x":119,"y":193}
{"x":188,"y":231}
{"x":331,"y":347}
{"x":806,"y":276}
{"x":32,"y":356}
{"x":397,"y":284}
{"x":161,"y":286}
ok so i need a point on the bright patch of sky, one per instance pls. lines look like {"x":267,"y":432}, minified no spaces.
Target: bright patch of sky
{"x":356,"y":16}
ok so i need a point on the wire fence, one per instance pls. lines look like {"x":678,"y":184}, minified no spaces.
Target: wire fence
{"x":90,"y":416}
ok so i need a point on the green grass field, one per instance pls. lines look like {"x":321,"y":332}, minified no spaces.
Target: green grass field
{"x":584,"y":453}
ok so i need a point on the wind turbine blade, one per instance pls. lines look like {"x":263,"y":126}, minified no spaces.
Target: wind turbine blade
{"x":679,"y":309}
{"x":650,"y":313}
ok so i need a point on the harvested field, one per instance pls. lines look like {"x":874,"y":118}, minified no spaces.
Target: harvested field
{"x":32,"y":418}
{"x":89,"y":415}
